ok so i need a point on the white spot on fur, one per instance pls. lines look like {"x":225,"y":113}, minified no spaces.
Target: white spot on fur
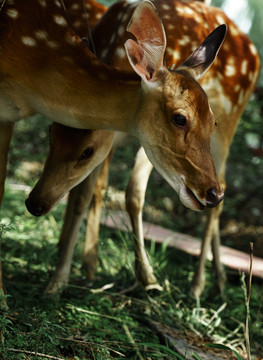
{"x":225,"y":46}
{"x":120,"y":52}
{"x":220,"y":19}
{"x":43,"y":3}
{"x":166,"y":7}
{"x":176,"y":56}
{"x":244,"y":67}
{"x":76,"y":6}
{"x":125,"y":17}
{"x":112,"y":39}
{"x":241,"y":97}
{"x":41,"y":34}
{"x":52,"y":44}
{"x":199,"y":19}
{"x":29,"y":41}
{"x":250,"y":76}
{"x":233,"y":30}
{"x":12,"y":13}
{"x":166,"y":16}
{"x":189,"y":11}
{"x":185,"y":40}
{"x":170,"y":27}
{"x":60,"y":20}
{"x":57,"y":2}
{"x":98,"y":16}
{"x":180,"y":10}
{"x":230,"y":70}
{"x":169,"y":51}
{"x":253,"y":49}
{"x":77,"y":23}
{"x":119,"y":17}
{"x":237,"y":88}
{"x":70,"y":40}
{"x":121,"y":30}
{"x":104,"y":53}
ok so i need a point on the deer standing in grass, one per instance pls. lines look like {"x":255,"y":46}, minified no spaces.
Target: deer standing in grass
{"x":229,"y":84}
{"x":45,"y":68}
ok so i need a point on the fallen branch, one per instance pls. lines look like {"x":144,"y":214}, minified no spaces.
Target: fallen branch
{"x":35,"y":354}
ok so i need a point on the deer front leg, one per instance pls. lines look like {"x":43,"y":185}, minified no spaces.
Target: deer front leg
{"x":135,"y":195}
{"x":219,"y":269}
{"x":6,"y":130}
{"x":90,"y":254}
{"x":78,"y":203}
{"x":212,"y":236}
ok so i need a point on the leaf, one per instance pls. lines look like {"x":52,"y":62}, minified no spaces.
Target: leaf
{"x":165,"y":348}
{"x":196,"y":357}
{"x":224,"y":347}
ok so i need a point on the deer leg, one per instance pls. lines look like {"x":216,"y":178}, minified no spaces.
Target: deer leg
{"x":90,"y":254}
{"x":6,"y":130}
{"x":78,"y":204}
{"x":135,"y":195}
{"x":216,"y":241}
{"x":212,"y":236}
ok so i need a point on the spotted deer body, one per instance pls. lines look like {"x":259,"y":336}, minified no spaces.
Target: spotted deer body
{"x":229,"y":82}
{"x":46,"y":68}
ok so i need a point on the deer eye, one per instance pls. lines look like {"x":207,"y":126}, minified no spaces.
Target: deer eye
{"x":86,"y":154}
{"x":179,"y":120}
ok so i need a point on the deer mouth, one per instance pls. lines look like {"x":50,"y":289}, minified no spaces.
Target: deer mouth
{"x":188,"y":198}
{"x":194,"y":199}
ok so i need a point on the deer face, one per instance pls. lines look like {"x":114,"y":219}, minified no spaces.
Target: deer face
{"x":73,"y":155}
{"x":185,"y":120}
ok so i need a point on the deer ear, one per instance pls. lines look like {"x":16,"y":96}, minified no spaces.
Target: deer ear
{"x":146,"y":56}
{"x":202,"y":58}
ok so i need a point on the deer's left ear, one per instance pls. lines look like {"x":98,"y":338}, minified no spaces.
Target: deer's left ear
{"x":146,"y":56}
{"x":202,"y":58}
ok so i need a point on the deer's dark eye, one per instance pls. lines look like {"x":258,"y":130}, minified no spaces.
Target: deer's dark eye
{"x":86,"y":154}
{"x":179,"y":120}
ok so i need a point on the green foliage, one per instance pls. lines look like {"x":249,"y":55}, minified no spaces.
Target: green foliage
{"x":89,"y":323}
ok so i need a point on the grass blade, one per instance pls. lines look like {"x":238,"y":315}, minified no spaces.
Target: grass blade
{"x":224,"y":347}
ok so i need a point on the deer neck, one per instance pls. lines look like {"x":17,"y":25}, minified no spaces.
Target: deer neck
{"x":57,"y":75}
{"x":94,"y":97}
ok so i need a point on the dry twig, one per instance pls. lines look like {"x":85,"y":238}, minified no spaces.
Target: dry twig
{"x":247,"y":303}
{"x":35,"y":354}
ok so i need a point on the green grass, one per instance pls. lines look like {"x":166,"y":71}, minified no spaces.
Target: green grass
{"x":86,"y":324}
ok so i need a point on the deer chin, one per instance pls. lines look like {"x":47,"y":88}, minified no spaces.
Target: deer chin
{"x":177,"y":182}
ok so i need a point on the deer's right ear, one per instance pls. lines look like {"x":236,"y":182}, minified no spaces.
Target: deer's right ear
{"x":146,"y":56}
{"x":202,"y":58}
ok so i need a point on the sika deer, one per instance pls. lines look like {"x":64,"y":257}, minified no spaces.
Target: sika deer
{"x":45,"y":68}
{"x":228,"y":83}
{"x":59,"y":278}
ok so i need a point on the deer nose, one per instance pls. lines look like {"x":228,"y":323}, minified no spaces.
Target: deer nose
{"x":36,"y":210}
{"x":213,"y":198}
